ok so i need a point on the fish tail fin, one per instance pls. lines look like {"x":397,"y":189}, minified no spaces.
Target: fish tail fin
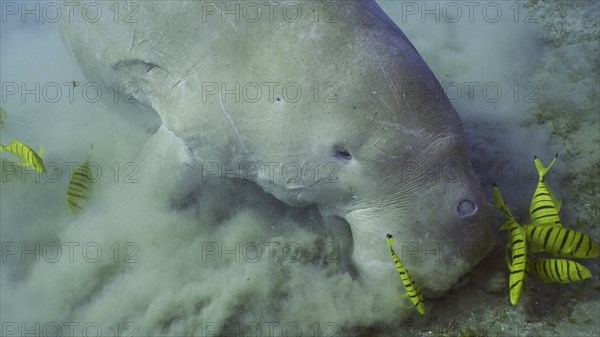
{"x":41,"y":152}
{"x":543,"y":170}
{"x":500,"y":204}
{"x":1,"y":147}
{"x":498,"y":200}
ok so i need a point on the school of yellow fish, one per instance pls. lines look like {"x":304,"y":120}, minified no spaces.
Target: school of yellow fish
{"x":80,"y":184}
{"x":544,"y":234}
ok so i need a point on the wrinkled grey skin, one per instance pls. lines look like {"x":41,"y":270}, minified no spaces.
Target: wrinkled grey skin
{"x":388,"y":146}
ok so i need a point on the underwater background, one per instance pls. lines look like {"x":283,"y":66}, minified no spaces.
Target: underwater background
{"x":524,"y":77}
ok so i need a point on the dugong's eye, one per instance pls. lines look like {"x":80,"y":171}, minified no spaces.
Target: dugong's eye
{"x":466,"y":208}
{"x":341,"y":153}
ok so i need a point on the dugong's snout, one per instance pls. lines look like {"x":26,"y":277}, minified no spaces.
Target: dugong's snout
{"x":445,"y":255}
{"x":441,"y":233}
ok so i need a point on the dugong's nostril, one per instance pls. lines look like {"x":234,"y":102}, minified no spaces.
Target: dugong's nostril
{"x":466,"y":208}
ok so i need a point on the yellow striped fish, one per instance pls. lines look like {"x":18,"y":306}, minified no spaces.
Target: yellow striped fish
{"x":544,"y":206}
{"x":411,"y":288}
{"x":26,"y":154}
{"x":559,"y":270}
{"x":518,"y":261}
{"x":561,"y":241}
{"x":80,"y":187}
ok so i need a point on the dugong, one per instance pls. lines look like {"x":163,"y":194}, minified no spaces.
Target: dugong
{"x":322,"y":103}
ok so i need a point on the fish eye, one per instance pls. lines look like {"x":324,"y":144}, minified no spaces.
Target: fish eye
{"x":466,"y":208}
{"x":341,"y":153}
